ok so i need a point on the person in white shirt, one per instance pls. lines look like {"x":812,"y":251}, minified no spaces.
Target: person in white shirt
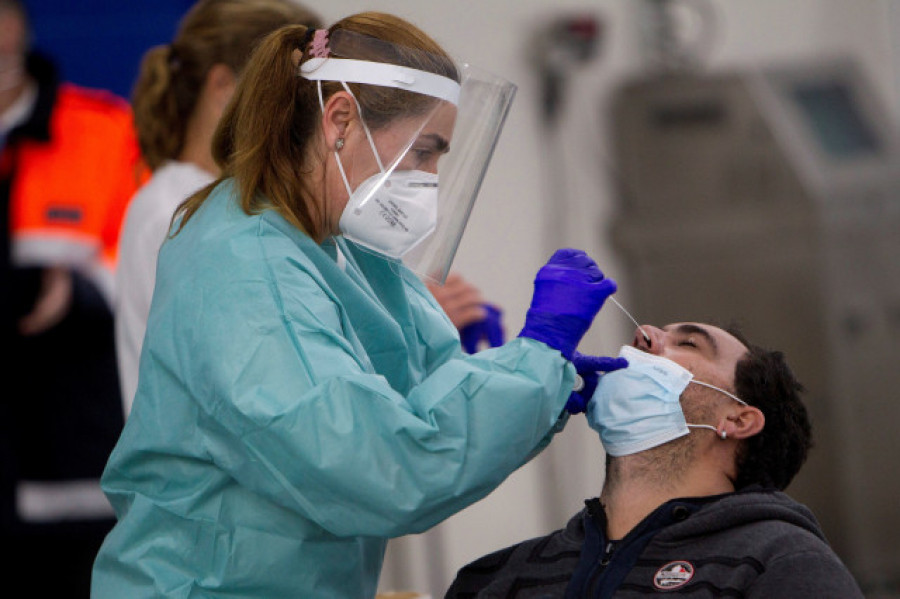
{"x":178,"y":99}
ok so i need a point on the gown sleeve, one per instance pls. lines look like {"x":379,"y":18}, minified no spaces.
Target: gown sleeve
{"x":293,"y":412}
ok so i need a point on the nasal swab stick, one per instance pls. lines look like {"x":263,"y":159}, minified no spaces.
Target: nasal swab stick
{"x":636,"y":323}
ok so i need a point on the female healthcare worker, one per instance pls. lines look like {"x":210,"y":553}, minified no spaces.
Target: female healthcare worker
{"x":301,"y":395}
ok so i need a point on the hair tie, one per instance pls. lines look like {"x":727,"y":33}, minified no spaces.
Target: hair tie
{"x":319,"y":45}
{"x":307,"y":37}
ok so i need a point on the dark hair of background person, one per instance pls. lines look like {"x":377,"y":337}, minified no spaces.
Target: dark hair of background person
{"x":172,"y":75}
{"x":263,"y":138}
{"x":774,"y":456}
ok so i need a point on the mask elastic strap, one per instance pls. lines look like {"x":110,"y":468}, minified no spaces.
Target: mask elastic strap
{"x":365,"y":128}
{"x":337,"y":158}
{"x":368,"y":135}
{"x":731,"y":395}
{"x":720,"y":434}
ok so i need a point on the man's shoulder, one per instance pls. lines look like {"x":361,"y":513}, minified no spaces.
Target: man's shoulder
{"x":754,"y":508}
{"x":105,"y":115}
{"x":94,"y":123}
{"x":757,"y":540}
{"x":99,"y":101}
{"x":543,"y":563}
{"x":760,"y":521}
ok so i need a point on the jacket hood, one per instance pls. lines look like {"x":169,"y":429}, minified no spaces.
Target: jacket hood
{"x":741,"y":508}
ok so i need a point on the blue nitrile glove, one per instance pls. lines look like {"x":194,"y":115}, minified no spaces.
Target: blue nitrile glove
{"x":489,"y":330}
{"x":493,"y":326}
{"x":568,"y":292}
{"x":588,"y":368}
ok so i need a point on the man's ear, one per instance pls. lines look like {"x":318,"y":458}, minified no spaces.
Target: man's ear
{"x":744,"y":423}
{"x":339,"y":111}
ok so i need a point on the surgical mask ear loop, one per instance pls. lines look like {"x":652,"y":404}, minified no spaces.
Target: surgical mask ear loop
{"x":721,"y":434}
{"x":720,"y":390}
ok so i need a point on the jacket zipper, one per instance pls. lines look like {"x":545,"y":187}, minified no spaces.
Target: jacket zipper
{"x":604,"y":561}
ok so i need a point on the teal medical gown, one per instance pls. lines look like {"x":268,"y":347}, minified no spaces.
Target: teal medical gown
{"x":294,"y":412}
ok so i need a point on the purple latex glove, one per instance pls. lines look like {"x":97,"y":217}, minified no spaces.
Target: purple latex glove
{"x":589,"y":369}
{"x":489,"y":330}
{"x":568,"y":292}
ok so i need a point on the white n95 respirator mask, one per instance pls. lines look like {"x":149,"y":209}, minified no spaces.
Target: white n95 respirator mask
{"x":392,"y":214}
{"x":638,"y":407}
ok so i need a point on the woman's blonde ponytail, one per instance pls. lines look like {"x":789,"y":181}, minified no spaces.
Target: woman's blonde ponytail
{"x":172,"y":77}
{"x":160,"y":122}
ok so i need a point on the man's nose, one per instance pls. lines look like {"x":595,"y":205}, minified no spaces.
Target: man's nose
{"x":653,"y":341}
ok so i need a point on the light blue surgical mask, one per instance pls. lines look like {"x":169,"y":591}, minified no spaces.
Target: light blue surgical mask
{"x":639,"y":407}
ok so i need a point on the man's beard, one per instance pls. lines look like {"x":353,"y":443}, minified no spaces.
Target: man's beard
{"x":667,"y":464}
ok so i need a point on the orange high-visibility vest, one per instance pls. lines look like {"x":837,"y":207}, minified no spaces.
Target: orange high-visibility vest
{"x":69,"y":194}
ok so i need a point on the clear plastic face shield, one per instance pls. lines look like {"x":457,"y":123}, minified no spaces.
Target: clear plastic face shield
{"x":412,"y":186}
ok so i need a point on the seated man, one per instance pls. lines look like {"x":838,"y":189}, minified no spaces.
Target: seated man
{"x":692,"y":502}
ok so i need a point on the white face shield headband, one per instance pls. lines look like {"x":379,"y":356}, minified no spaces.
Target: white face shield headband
{"x":401,"y":211}
{"x":348,"y":70}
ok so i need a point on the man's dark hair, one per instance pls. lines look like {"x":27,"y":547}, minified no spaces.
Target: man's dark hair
{"x":774,"y":456}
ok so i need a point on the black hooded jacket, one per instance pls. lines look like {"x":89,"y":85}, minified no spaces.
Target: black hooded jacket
{"x":754,"y":543}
